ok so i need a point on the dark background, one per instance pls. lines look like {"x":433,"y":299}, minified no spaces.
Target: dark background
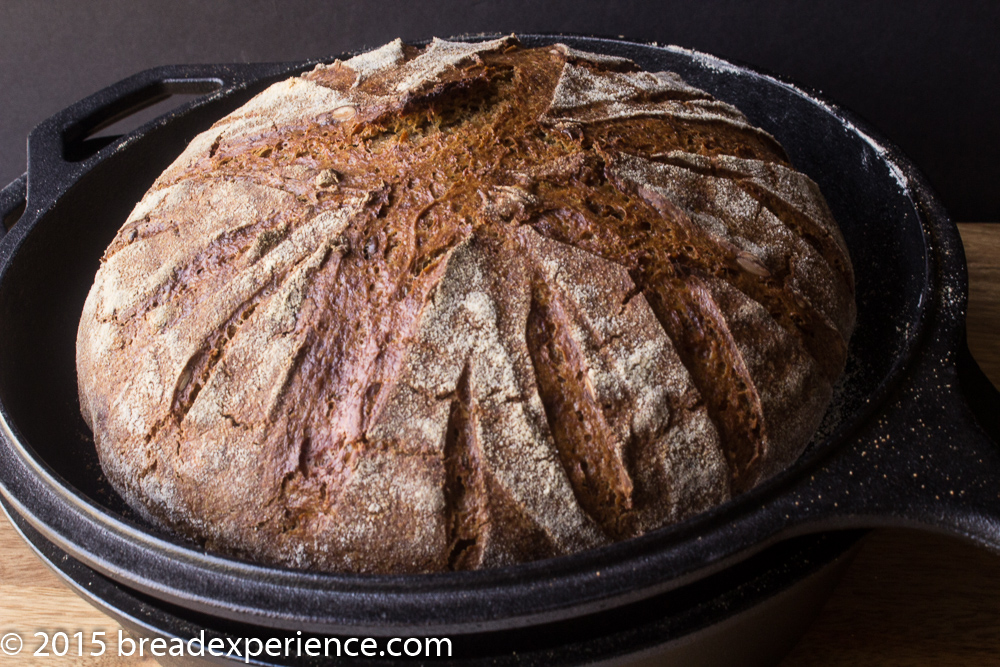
{"x":926,"y":73}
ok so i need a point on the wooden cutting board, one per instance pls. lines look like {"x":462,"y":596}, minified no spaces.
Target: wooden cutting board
{"x":908,"y":599}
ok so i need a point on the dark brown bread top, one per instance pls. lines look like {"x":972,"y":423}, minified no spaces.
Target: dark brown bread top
{"x":462,"y":306}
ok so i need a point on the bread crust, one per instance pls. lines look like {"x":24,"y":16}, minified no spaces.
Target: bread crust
{"x":462,"y":306}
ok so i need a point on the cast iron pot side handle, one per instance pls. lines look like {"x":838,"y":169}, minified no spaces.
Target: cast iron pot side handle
{"x":12,"y":201}
{"x":930,"y":458}
{"x":58,"y":150}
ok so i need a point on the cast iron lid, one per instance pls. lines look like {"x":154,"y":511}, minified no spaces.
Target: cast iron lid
{"x":900,"y":444}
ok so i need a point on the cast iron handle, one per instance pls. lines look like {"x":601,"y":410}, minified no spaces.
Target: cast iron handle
{"x":59,"y":151}
{"x":947,"y":480}
{"x":12,"y":200}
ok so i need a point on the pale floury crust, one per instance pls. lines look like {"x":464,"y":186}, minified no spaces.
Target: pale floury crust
{"x":244,"y":392}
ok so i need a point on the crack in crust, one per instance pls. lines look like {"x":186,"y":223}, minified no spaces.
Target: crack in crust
{"x":462,"y":306}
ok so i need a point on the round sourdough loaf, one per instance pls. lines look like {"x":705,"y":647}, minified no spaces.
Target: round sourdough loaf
{"x":461,"y":306}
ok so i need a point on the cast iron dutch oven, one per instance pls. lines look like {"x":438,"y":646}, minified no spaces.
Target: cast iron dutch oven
{"x":910,"y":439}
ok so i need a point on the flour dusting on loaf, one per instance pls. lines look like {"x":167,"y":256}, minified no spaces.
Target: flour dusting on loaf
{"x":459,"y":306}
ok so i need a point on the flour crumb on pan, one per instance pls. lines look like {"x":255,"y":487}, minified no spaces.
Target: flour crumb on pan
{"x":461,"y":306}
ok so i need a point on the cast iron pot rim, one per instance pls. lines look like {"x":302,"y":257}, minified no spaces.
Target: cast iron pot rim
{"x":796,"y":565}
{"x":630,"y":569}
